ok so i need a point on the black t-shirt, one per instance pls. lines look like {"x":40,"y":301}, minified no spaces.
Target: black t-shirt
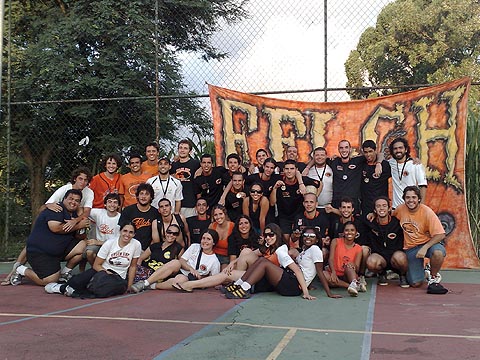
{"x":347,"y":178}
{"x":210,"y":187}
{"x":142,"y":221}
{"x":336,"y":229}
{"x":233,"y":206}
{"x":384,"y":239}
{"x":197,"y":227}
{"x":236,"y":244}
{"x":160,"y":257}
{"x":43,"y":240}
{"x":290,"y":200}
{"x":320,"y":220}
{"x":185,"y":172}
{"x":372,"y":186}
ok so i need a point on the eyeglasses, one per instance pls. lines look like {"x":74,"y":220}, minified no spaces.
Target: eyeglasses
{"x":172,"y":232}
{"x":256,"y":191}
{"x":269,"y":234}
{"x":309,"y":235}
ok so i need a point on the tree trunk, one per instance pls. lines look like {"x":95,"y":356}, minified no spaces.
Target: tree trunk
{"x":36,"y":162}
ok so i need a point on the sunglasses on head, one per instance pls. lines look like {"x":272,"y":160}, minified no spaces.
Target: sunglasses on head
{"x":309,"y":235}
{"x":256,"y":191}
{"x":170,"y":232}
{"x":269,"y":234}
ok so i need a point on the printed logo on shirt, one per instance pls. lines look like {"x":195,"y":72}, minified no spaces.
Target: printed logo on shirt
{"x":352,"y":166}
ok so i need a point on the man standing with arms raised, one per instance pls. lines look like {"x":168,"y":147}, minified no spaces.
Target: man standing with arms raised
{"x":184,"y":169}
{"x":404,"y":171}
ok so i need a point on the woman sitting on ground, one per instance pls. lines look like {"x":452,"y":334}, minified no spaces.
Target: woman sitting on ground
{"x":117,"y":257}
{"x":157,"y":256}
{"x":197,"y":262}
{"x":344,"y":261}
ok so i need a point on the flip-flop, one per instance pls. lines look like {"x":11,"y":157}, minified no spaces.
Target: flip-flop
{"x":179,"y":287}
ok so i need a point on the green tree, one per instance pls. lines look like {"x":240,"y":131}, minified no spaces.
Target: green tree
{"x":81,"y":49}
{"x":417,"y":42}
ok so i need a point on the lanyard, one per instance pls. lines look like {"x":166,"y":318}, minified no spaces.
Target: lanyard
{"x":323,"y":173}
{"x":166,"y":187}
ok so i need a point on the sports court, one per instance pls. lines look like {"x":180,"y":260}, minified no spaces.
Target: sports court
{"x":386,"y":322}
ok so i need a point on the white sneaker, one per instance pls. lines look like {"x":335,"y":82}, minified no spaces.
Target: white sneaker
{"x":362,"y":284}
{"x":353,"y":288}
{"x":53,"y":288}
{"x":69,"y":291}
{"x":435,"y":279}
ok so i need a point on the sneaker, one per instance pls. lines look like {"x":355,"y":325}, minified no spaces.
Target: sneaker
{"x":53,"y":288}
{"x":68,"y":291}
{"x":229,"y":288}
{"x":382,"y":279}
{"x":435,"y":279}
{"x":353,"y":288}
{"x":392,"y":275}
{"x":403,"y":282}
{"x":16,"y":279}
{"x":369,"y":274}
{"x":238,"y":294}
{"x":138,"y":286}
{"x":65,"y":276}
{"x":362,"y":284}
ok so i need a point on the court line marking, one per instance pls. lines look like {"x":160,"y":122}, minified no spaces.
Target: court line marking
{"x":31,"y":317}
{"x":367,"y":338}
{"x":230,"y":324}
{"x":282,"y":344}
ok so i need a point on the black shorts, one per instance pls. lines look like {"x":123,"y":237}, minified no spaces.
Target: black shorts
{"x":43,"y":265}
{"x":387,"y":257}
{"x":70,"y":247}
{"x":288,"y":284}
{"x":286,"y":224}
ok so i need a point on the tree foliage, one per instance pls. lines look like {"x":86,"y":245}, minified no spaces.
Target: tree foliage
{"x":417,"y":42}
{"x":79,"y":49}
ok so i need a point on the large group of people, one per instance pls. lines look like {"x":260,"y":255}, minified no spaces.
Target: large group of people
{"x":243,"y":228}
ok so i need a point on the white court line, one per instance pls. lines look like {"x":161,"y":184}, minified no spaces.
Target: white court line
{"x":231,"y":324}
{"x":282,"y":344}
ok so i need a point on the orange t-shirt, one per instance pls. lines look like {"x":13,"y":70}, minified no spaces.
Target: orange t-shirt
{"x":150,"y":170}
{"x":222,"y":246}
{"x":130,"y":183}
{"x":419,"y":226}
{"x":344,"y":256}
{"x":102,"y":186}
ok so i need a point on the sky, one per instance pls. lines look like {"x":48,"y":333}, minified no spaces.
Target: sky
{"x":280,"y":46}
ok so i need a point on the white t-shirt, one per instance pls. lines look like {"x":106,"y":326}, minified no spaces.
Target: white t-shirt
{"x":106,"y":227}
{"x":403,"y":175}
{"x":57,"y":196}
{"x":283,"y":257}
{"x":209,"y":264}
{"x":307,"y":259}
{"x":170,"y":189}
{"x":117,"y":258}
{"x":325,"y":174}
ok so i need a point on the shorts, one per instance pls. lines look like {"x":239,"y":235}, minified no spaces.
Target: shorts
{"x":70,"y":247}
{"x":262,"y":286}
{"x":44,"y":265}
{"x":288,"y":284}
{"x":223,"y":259}
{"x":416,"y":269}
{"x":286,"y":224}
{"x":93,"y":248}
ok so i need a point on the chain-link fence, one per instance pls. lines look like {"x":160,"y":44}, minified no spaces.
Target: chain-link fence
{"x":67,"y":105}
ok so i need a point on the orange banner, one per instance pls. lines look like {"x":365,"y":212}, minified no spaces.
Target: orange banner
{"x":432,"y":119}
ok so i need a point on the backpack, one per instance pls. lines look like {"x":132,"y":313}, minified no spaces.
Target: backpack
{"x":103,"y":285}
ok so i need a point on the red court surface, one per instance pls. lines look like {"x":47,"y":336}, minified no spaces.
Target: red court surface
{"x":384,"y":323}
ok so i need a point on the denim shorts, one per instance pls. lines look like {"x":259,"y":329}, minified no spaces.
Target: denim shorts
{"x":416,"y":269}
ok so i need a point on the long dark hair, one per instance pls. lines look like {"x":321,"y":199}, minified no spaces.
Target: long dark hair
{"x":252,"y":239}
{"x":280,"y":239}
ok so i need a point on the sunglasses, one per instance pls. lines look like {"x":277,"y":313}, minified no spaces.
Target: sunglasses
{"x":309,"y":235}
{"x":172,"y":232}
{"x":256,"y":191}
{"x":269,"y":234}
